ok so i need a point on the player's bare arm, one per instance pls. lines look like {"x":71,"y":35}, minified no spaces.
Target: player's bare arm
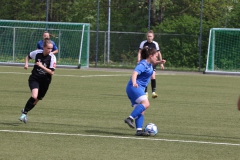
{"x":26,"y":62}
{"x":160,"y":58}
{"x":160,"y":62}
{"x":139,"y":56}
{"x":134,"y":78}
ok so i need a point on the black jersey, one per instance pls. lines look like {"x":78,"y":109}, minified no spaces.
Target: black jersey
{"x":152,"y":44}
{"x":48,"y":61}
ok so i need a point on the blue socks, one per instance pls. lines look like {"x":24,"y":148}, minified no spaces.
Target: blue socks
{"x":139,"y":121}
{"x":137,"y":111}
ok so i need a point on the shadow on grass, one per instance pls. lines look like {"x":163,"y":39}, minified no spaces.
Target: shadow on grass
{"x":11,"y":124}
{"x":98,"y":130}
{"x":114,"y":95}
{"x":108,"y":132}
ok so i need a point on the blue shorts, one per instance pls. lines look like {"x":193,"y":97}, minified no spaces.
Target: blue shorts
{"x":136,"y":95}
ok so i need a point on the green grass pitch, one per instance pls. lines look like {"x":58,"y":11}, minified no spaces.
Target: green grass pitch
{"x":81,"y":117}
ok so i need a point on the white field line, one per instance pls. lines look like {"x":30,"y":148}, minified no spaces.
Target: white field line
{"x":13,"y":73}
{"x":87,"y":76}
{"x":121,"y":137}
{"x":84,"y":76}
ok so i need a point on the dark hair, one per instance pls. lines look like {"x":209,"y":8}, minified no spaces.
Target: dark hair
{"x":51,"y":35}
{"x":46,"y":42}
{"x":146,"y":52}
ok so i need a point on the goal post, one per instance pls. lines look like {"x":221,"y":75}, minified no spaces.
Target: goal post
{"x":18,"y":38}
{"x":223,"y":51}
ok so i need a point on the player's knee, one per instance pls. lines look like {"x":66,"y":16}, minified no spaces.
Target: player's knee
{"x":146,"y":104}
{"x":34,"y":97}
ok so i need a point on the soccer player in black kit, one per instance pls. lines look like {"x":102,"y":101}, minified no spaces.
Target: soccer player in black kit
{"x":40,"y":79}
{"x":150,"y":43}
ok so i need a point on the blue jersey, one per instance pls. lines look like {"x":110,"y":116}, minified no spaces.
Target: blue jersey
{"x":145,"y":71}
{"x":40,"y":45}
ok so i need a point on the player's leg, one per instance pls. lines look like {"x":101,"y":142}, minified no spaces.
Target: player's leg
{"x":139,"y":102}
{"x":34,"y":87}
{"x":138,"y":115}
{"x":32,"y":101}
{"x":39,"y":90}
{"x":153,"y":83}
{"x":142,"y":105}
{"x":139,"y":121}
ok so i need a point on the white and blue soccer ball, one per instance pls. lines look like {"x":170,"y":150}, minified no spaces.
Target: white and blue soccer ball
{"x":151,"y":129}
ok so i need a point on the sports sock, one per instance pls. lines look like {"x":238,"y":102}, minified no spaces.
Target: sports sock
{"x":139,"y":122}
{"x":29,"y":105}
{"x":137,"y":111}
{"x":153,"y":85}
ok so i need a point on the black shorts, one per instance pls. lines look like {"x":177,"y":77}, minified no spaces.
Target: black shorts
{"x":41,"y":85}
{"x":154,"y":68}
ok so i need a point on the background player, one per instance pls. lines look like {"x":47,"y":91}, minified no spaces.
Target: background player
{"x":46,"y":35}
{"x":151,"y":44}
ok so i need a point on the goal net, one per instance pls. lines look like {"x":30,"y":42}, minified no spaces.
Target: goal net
{"x":223,"y":51}
{"x":18,"y":38}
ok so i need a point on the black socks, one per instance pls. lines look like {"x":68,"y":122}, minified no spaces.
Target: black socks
{"x":153,"y":85}
{"x":29,"y":105}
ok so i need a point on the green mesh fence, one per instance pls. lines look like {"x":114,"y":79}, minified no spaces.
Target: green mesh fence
{"x":18,"y":38}
{"x":223,"y":51}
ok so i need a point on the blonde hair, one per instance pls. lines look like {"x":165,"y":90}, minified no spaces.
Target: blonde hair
{"x":46,"y":42}
{"x":150,"y":31}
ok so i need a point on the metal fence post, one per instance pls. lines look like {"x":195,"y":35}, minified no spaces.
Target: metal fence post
{"x":200,"y":37}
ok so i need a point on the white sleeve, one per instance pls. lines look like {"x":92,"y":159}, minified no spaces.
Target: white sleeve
{"x":53,"y":62}
{"x":157,"y":46}
{"x":33,"y":54}
{"x":141,"y":44}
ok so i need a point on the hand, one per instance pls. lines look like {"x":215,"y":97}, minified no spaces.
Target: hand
{"x":162,"y":66}
{"x":26,"y":66}
{"x":162,"y":63}
{"x":135,"y":85}
{"x":39,"y":64}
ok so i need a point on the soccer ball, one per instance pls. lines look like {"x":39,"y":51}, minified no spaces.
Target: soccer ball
{"x":151,"y":129}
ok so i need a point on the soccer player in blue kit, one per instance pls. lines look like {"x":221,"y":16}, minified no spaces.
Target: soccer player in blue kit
{"x":46,"y":35}
{"x":135,"y":88}
{"x":41,"y":77}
